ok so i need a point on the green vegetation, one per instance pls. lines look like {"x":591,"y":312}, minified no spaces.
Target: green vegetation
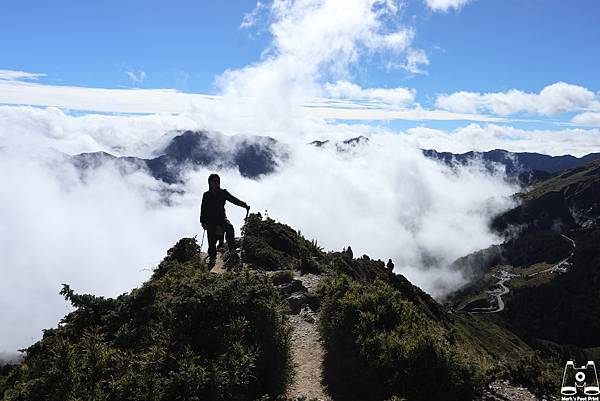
{"x":572,"y":298}
{"x":269,"y":245}
{"x":381,"y":345}
{"x":187,"y":334}
{"x":6,"y":371}
{"x":580,"y":176}
{"x":184,"y":335}
{"x":503,"y":354}
{"x":532,"y":248}
{"x":472,"y":333}
{"x":385,"y":337}
{"x":565,"y":201}
{"x":540,"y":372}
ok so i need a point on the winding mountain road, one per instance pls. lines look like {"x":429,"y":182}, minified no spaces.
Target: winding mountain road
{"x":498,"y":294}
{"x":560,"y":267}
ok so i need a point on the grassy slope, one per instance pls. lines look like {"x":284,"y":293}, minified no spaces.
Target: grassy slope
{"x":584,"y":176}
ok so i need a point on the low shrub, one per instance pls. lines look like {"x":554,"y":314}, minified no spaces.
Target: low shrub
{"x":380,"y":345}
{"x":185,"y":334}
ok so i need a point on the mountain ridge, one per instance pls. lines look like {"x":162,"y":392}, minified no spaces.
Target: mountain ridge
{"x":371,"y":320}
{"x":552,"y":256}
{"x":252,"y":156}
{"x":257,"y":156}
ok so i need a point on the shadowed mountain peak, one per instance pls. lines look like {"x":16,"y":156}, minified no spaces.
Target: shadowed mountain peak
{"x":253,"y":156}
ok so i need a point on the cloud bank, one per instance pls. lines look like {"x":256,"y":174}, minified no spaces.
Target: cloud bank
{"x":212,"y":108}
{"x":554,"y":99}
{"x":391,"y":96}
{"x":576,"y":142}
{"x":11,"y":75}
{"x":101,"y":232}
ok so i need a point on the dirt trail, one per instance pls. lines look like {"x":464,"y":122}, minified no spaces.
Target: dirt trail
{"x":219,"y":266}
{"x":308,"y":354}
{"x":307,"y":347}
{"x":308,"y":350}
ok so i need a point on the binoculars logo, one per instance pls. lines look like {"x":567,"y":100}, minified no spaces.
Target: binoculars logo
{"x":584,"y":378}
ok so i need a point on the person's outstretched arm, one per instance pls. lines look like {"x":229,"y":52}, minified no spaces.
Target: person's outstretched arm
{"x":235,"y":200}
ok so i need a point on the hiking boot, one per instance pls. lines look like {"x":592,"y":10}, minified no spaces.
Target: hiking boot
{"x":211,"y":263}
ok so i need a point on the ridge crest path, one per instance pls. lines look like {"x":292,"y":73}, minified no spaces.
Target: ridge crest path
{"x":308,"y":352}
{"x":307,"y":348}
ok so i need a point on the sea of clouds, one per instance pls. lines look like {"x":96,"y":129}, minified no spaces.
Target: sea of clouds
{"x":102,"y":232}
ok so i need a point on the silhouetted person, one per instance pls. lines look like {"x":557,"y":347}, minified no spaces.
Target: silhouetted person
{"x":349,"y":252}
{"x":390,"y":265}
{"x":213,"y":217}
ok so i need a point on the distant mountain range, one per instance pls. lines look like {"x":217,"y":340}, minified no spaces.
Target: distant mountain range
{"x":516,"y":162}
{"x":252,"y":156}
{"x":256,"y":156}
{"x":526,"y":167}
{"x":568,"y":200}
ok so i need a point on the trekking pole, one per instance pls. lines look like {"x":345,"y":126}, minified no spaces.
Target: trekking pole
{"x":244,"y":236}
{"x":202,"y":242}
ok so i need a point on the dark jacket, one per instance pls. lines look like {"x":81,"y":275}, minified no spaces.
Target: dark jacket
{"x":212,"y":210}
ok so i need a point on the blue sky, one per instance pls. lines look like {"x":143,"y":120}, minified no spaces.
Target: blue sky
{"x":180,"y":44}
{"x":482,"y":46}
{"x":489,"y":45}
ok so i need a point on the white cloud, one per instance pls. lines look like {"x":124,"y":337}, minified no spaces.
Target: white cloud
{"x":312,"y":40}
{"x":352,"y":111}
{"x":11,"y":75}
{"x":554,"y":99}
{"x":392,"y":96}
{"x":139,"y":135}
{"x":101,"y":235}
{"x":577,"y":142}
{"x":461,"y":102}
{"x":415,"y":59}
{"x":208,"y":108}
{"x":445,"y":5}
{"x":396,"y":41}
{"x":251,"y":19}
{"x":587,"y":118}
{"x":136,"y":78}
{"x":101,"y":99}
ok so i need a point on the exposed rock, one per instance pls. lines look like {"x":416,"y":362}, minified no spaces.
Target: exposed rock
{"x":291,"y":287}
{"x":308,"y":315}
{"x":296,"y":301}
